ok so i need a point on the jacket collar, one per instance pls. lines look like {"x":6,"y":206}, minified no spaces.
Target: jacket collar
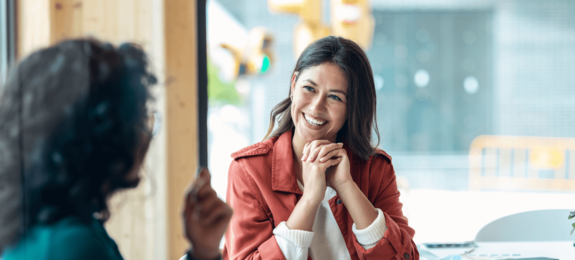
{"x":283,"y":178}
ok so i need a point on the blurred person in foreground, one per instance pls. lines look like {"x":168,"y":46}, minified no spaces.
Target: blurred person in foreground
{"x":74,"y":129}
{"x":316,"y":186}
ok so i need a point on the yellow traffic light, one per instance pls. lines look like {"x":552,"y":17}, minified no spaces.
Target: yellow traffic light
{"x":352,"y":19}
{"x":260,"y":57}
{"x":254,"y":58}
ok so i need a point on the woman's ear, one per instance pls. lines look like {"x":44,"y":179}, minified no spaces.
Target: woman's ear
{"x":293,"y":81}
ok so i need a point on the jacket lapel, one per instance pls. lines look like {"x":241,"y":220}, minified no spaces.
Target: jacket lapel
{"x":283,"y":178}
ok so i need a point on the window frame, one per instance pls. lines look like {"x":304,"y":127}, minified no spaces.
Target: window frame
{"x":7,"y":37}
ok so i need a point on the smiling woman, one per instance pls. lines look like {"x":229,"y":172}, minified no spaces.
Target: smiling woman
{"x":344,"y":60}
{"x":316,"y":186}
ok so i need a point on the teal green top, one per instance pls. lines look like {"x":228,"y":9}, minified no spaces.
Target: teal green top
{"x":66,"y":239}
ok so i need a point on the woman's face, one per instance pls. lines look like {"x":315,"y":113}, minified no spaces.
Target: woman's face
{"x":319,"y":102}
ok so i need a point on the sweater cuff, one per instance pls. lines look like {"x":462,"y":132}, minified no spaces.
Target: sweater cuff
{"x":299,"y":238}
{"x":374,"y":232}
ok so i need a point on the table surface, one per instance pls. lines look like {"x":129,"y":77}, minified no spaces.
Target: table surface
{"x":563,"y":250}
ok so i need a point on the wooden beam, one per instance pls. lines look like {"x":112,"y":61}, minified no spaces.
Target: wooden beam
{"x":33,"y":26}
{"x":181,"y":92}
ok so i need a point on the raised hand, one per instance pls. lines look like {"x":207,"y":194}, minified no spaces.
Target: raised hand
{"x":206,"y":217}
{"x":316,"y":160}
{"x":339,"y":174}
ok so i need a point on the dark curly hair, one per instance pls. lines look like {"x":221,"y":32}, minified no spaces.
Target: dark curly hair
{"x":96,"y":145}
{"x":91,"y":148}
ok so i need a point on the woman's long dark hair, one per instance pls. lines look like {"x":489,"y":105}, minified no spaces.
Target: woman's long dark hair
{"x":87,"y":153}
{"x":361,"y":97}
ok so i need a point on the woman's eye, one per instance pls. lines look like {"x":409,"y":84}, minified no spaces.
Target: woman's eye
{"x":335,"y":97}
{"x":308,"y":88}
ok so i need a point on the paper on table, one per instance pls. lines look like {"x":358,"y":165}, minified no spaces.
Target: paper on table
{"x":442,"y":252}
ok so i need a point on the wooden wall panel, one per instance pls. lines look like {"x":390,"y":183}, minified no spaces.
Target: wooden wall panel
{"x":33,"y":25}
{"x":66,"y":19}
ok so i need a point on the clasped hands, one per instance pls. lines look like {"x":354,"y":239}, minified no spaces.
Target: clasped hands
{"x":324,"y":164}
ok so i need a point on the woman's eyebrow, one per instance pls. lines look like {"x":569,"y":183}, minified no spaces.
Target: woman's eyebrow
{"x":311,"y":81}
{"x":331,"y":90}
{"x":338,"y":91}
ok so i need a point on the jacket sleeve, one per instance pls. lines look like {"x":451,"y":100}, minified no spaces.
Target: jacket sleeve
{"x":397,"y":242}
{"x":250,"y":234}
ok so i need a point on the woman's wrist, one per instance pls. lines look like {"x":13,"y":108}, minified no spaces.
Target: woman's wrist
{"x":344,"y":186}
{"x":310,"y":202}
{"x":313,"y":192}
{"x":359,"y":207}
{"x":303,"y":215}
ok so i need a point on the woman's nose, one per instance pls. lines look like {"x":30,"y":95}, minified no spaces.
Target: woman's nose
{"x":317,"y":105}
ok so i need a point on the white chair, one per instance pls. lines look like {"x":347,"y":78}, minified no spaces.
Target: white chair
{"x":537,"y":225}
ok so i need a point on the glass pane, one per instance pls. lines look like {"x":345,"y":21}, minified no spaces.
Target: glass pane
{"x":475,"y":104}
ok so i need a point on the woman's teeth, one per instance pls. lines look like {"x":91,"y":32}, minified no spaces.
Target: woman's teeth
{"x":314,"y":122}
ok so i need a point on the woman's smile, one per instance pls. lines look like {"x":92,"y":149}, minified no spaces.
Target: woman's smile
{"x":314,"y":121}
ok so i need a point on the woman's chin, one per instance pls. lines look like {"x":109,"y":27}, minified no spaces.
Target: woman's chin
{"x":308,"y":135}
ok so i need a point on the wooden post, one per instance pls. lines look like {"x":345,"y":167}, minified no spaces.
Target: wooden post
{"x":181,"y":91}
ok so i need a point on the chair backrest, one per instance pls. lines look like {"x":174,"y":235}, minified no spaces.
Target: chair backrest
{"x":538,"y":225}
{"x":522,"y":163}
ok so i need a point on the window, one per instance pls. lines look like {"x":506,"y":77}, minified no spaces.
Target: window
{"x":7,"y":41}
{"x":445,"y":74}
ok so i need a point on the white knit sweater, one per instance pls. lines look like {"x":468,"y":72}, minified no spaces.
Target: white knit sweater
{"x":326,"y":240}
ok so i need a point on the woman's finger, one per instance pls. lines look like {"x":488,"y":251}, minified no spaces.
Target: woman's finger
{"x":314,"y":149}
{"x":333,"y":162}
{"x":340,"y":152}
{"x":327,"y":151}
{"x":313,"y":154}
{"x":305,"y":151}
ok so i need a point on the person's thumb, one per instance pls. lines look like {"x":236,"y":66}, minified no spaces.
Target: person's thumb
{"x":204,"y":176}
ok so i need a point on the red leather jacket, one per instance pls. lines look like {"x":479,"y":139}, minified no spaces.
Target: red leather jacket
{"x":263,"y":192}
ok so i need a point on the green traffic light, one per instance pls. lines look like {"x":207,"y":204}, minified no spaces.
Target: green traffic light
{"x":266,"y":63}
